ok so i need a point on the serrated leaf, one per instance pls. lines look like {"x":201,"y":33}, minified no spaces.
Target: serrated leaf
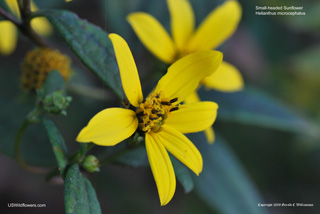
{"x":223,"y":184}
{"x":58,"y":145}
{"x":252,"y":106}
{"x":79,"y":195}
{"x":90,"y":43}
{"x":183,"y":175}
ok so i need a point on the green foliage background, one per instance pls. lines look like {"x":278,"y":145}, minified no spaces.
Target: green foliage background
{"x":267,"y":143}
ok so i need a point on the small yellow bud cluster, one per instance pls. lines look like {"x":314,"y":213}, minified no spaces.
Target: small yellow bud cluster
{"x":153,"y":112}
{"x":38,"y":63}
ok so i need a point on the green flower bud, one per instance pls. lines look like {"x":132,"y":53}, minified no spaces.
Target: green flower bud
{"x":91,"y":164}
{"x":56,"y":103}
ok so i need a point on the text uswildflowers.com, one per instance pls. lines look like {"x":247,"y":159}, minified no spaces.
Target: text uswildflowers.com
{"x":25,"y":205}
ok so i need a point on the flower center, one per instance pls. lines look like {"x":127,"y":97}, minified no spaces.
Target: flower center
{"x":153,"y":112}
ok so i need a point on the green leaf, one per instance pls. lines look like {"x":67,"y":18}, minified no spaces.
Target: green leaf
{"x":223,"y":183}
{"x":58,"y":145}
{"x":75,"y":194}
{"x":83,"y":149}
{"x":183,"y":174}
{"x":90,"y":43}
{"x":54,"y":82}
{"x":252,"y":106}
{"x":79,"y":195}
{"x":136,"y":157}
{"x":92,"y":196}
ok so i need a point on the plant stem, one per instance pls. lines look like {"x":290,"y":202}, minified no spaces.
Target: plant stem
{"x":31,"y":118}
{"x":9,"y":17}
{"x":25,"y":9}
{"x":17,"y":143}
{"x":74,"y":158}
{"x":26,"y":29}
{"x":24,"y":25}
{"x":94,"y":93}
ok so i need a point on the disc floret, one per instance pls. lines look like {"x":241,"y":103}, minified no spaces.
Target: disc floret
{"x":153,"y":112}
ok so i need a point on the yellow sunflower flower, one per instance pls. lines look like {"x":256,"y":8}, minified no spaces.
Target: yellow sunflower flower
{"x":219,"y":25}
{"x":9,"y":34}
{"x":160,"y":117}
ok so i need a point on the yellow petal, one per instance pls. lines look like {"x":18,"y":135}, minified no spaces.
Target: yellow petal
{"x":182,"y":21}
{"x":128,"y":70}
{"x":219,"y":25}
{"x":193,"y":98}
{"x":226,"y":78}
{"x":14,"y":7}
{"x":153,"y":36}
{"x":8,"y":37}
{"x":184,"y":75}
{"x":209,"y":132}
{"x":109,"y":127}
{"x":33,"y":6}
{"x":194,"y":117}
{"x":181,"y":147}
{"x":40,"y":24}
{"x":162,"y":169}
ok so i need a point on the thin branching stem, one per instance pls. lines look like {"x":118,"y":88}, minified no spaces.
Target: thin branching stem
{"x":31,"y":118}
{"x":76,"y":157}
{"x":9,"y":17}
{"x":24,"y":25}
{"x":90,"y":92}
{"x":17,"y":143}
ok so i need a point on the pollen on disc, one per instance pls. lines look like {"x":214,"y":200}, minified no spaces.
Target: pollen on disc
{"x":38,"y":63}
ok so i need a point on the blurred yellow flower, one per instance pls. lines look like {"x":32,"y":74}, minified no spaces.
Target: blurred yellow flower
{"x":160,"y":117}
{"x":38,"y":63}
{"x":219,"y":25}
{"x":8,"y":36}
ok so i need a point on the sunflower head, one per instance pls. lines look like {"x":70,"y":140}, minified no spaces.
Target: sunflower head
{"x":153,"y":112}
{"x":38,"y":63}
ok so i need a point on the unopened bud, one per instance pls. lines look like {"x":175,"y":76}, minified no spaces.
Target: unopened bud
{"x":91,"y":164}
{"x":56,"y":103}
